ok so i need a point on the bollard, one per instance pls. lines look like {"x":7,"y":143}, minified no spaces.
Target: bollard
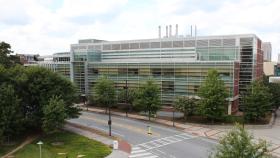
{"x":149,"y":130}
{"x":115,"y":145}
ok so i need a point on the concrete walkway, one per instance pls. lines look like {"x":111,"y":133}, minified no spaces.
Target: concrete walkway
{"x":271,"y":133}
{"x":102,"y":139}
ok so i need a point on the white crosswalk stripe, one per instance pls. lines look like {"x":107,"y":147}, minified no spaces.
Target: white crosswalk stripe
{"x":144,"y":150}
{"x":138,"y":152}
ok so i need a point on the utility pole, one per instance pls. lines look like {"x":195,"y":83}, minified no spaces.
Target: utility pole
{"x":173,"y":116}
{"x":110,"y":120}
{"x":126,"y":99}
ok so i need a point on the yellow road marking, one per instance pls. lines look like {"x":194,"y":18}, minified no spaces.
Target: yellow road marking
{"x":132,"y":128}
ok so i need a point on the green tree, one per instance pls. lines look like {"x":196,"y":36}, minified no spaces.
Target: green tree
{"x":213,"y":96}
{"x":148,"y":98}
{"x":274,"y":90}
{"x":35,"y":86}
{"x":54,"y":115}
{"x":39,"y":87}
{"x":11,"y":118}
{"x":6,"y":57}
{"x":127,"y":96}
{"x":185,"y":105}
{"x":238,"y":143}
{"x":104,"y":92}
{"x":256,"y":101}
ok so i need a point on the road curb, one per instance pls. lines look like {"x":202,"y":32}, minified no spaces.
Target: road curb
{"x":123,"y":145}
{"x":210,"y":133}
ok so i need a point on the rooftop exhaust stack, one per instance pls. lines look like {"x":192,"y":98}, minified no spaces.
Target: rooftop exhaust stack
{"x":159,"y":32}
{"x":176,"y":30}
{"x":170,"y":30}
{"x":191,"y":30}
{"x":166,"y":31}
{"x":195,"y":31}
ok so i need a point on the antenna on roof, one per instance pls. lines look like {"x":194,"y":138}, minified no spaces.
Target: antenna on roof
{"x":176,"y":34}
{"x":159,"y":31}
{"x":195,"y":31}
{"x":166,"y":31}
{"x":170,"y":30}
{"x":191,"y":31}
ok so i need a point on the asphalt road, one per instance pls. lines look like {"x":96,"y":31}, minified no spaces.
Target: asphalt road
{"x":164,"y":142}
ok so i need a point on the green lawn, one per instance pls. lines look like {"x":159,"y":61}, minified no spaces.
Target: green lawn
{"x":73,"y":145}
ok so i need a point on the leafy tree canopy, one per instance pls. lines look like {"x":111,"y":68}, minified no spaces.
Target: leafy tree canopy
{"x":213,"y":96}
{"x":40,"y":86}
{"x":148,"y":97}
{"x":127,"y":96}
{"x":104,"y":92}
{"x":274,"y":90}
{"x":238,"y":143}
{"x":186,"y":105}
{"x":6,"y":57}
{"x":257,"y":101}
{"x":54,"y":115}
{"x":11,"y":118}
{"x":25,"y":91}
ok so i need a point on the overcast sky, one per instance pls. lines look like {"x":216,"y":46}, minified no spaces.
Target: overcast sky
{"x":49,"y":26}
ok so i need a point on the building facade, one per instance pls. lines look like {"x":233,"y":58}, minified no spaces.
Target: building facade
{"x":28,"y":58}
{"x":269,"y":68}
{"x":178,"y":64}
{"x":58,"y":62}
{"x":277,"y":70}
{"x":267,"y":49}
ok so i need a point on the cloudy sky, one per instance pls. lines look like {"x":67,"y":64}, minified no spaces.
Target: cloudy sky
{"x":48,"y":26}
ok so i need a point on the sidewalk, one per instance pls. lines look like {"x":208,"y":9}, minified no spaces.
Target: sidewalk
{"x":272,"y":134}
{"x":121,"y":153}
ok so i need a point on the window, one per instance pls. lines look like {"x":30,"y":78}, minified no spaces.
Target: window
{"x":168,"y":72}
{"x":156,"y":72}
{"x":168,"y":86}
{"x":155,"y":44}
{"x":122,"y":71}
{"x":93,"y":71}
{"x":133,"y":71}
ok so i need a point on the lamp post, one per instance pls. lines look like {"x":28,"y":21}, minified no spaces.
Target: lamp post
{"x":40,"y":143}
{"x":126,"y":98}
{"x":173,"y":116}
{"x":110,"y":121}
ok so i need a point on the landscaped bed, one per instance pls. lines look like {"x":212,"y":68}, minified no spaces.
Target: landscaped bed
{"x":64,"y":144}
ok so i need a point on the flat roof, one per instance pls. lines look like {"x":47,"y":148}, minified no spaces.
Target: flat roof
{"x":169,"y":38}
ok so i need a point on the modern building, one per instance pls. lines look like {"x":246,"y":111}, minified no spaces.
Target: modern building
{"x":58,"y":62}
{"x":266,"y":47}
{"x":178,"y":64}
{"x":28,"y":58}
{"x":269,"y":68}
{"x":277,"y":69}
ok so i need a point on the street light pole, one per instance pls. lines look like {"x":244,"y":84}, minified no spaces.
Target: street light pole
{"x":126,"y":98}
{"x":110,"y":121}
{"x":40,"y":143}
{"x":173,"y":117}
